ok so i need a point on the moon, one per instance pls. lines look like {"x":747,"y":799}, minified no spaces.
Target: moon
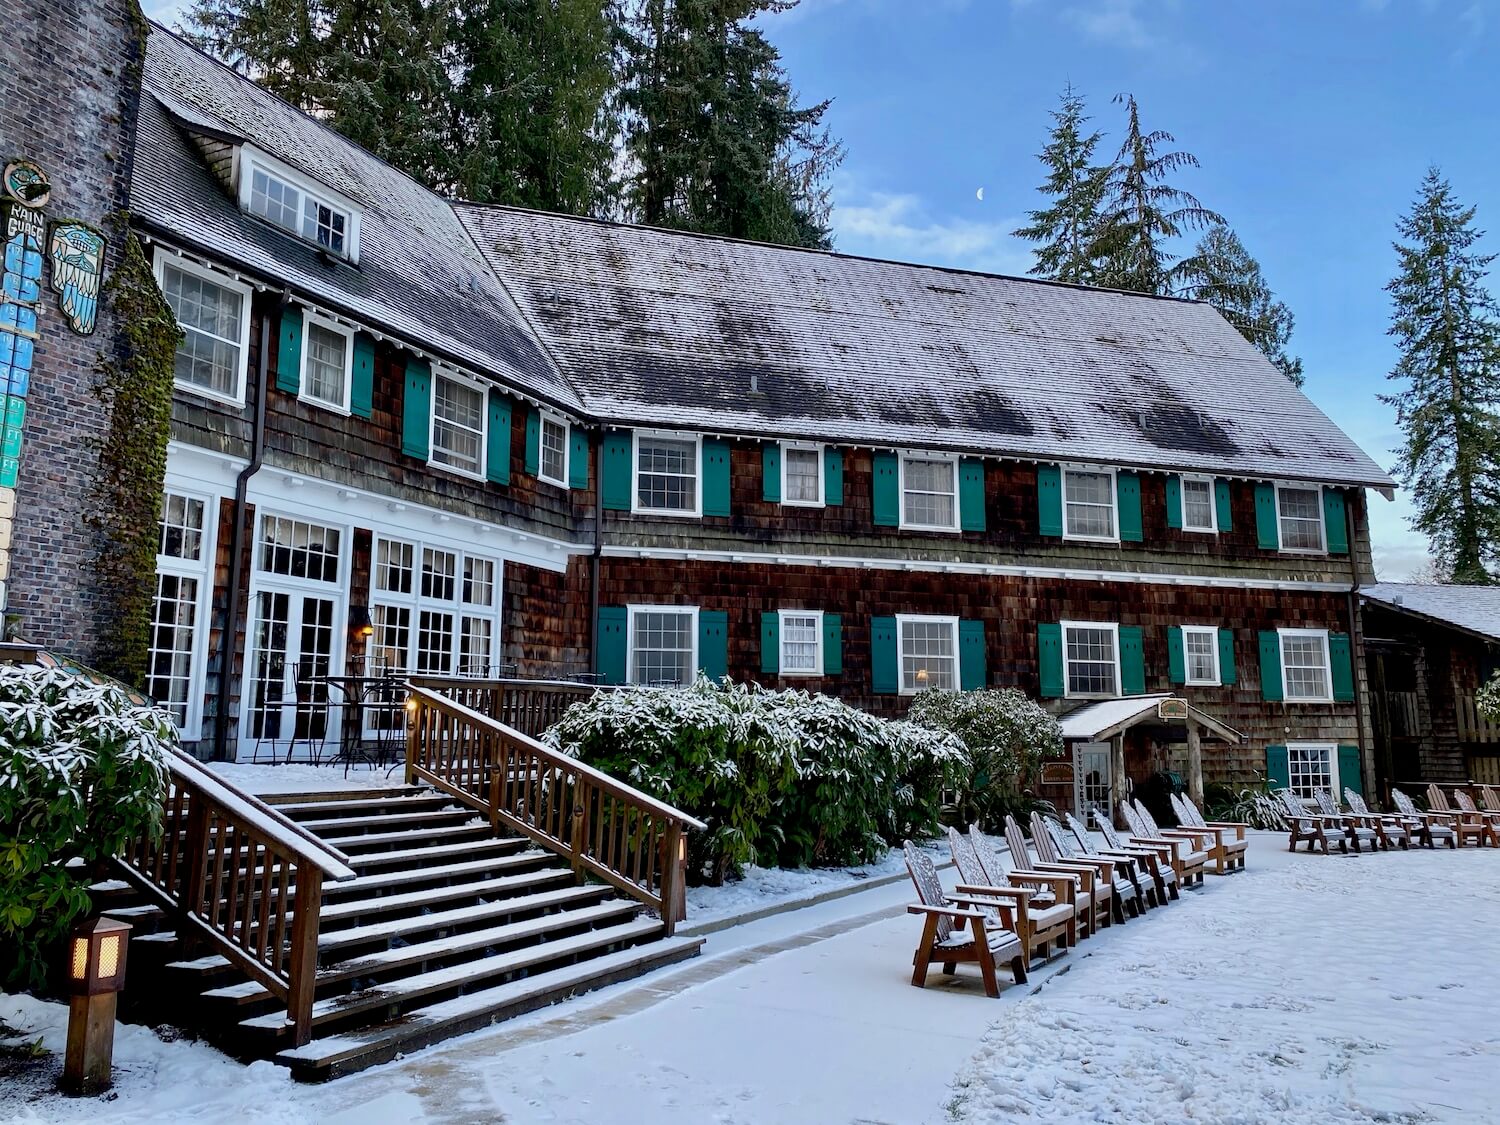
{"x":979,"y":195}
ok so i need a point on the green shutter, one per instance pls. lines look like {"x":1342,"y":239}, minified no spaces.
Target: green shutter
{"x":610,"y":643}
{"x":578,"y":457}
{"x":1270,"y":665}
{"x":1341,"y":667}
{"x":1128,"y":491}
{"x":715,"y":477}
{"x":289,"y":351}
{"x":713,"y":643}
{"x":532,"y":463}
{"x":1174,"y":501}
{"x":770,"y":642}
{"x":1335,"y":528}
{"x":362,"y":378}
{"x":833,"y":476}
{"x":1049,"y":500}
{"x":1278,"y":768}
{"x":1226,"y":656}
{"x":1267,"y":533}
{"x":615,"y":470}
{"x":833,"y":645}
{"x":416,"y":409}
{"x":1049,"y":654}
{"x":972,"y":673}
{"x":971,"y":494}
{"x":1351,"y":770}
{"x":770,"y":472}
{"x":887,"y":485}
{"x":885,"y":677}
{"x":497,"y":454}
{"x":1226,"y":509}
{"x":1176,"y":656}
{"x":1132,"y":660}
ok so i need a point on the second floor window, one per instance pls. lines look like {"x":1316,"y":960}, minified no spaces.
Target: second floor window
{"x":1091,"y":659}
{"x":1304,"y":666}
{"x":458,"y":413}
{"x":802,"y":475}
{"x":554,"y":450}
{"x":1198,"y":505}
{"x":666,"y":474}
{"x":214,"y":314}
{"x":801,"y":643}
{"x":326,"y":356}
{"x":929,"y":492}
{"x":1300,"y":513}
{"x":1200,"y":650}
{"x":1089,"y":505}
{"x":929,"y":653}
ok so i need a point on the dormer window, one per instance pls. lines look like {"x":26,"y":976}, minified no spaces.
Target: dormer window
{"x":298,"y":205}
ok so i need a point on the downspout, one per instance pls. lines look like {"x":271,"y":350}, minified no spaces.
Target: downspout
{"x":598,"y":556}
{"x":1356,"y":645}
{"x":237,"y":536}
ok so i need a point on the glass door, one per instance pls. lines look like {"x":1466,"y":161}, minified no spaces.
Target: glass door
{"x":292,"y":649}
{"x":1092,"y":791}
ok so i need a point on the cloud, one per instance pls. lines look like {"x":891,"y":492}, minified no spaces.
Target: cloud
{"x":902,"y":226}
{"x":1116,"y":22}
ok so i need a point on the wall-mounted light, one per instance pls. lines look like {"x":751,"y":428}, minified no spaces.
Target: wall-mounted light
{"x":360,"y":624}
{"x":96,"y":973}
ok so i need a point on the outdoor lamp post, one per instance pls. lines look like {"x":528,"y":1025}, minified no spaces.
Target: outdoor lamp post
{"x":360,"y":624}
{"x":96,"y":972}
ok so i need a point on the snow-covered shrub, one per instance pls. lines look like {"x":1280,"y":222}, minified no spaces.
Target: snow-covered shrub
{"x":1007,"y":735}
{"x":1487,"y":699}
{"x":82,"y":771}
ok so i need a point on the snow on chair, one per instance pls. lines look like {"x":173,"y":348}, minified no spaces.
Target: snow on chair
{"x":1304,"y":824}
{"x":1489,"y":823}
{"x":1230,"y":844}
{"x":1125,"y":897}
{"x":1041,"y":917}
{"x":1357,"y":830}
{"x":1157,"y":858}
{"x":1468,"y":827}
{"x":1392,"y":829}
{"x":991,"y":939}
{"x":1434,"y":827}
{"x":1091,"y":892}
{"x":1187,"y":857}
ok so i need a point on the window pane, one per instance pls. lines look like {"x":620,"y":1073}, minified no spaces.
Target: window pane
{"x":1303,"y":664}
{"x":438,"y":570}
{"x":1090,"y":657}
{"x":323,"y":225}
{"x":554,"y":450}
{"x":211,"y":317}
{"x":1197,"y":505}
{"x":667,"y":474}
{"x":326,"y":373}
{"x":1090,"y":508}
{"x":928,"y":492}
{"x":170,"y":659}
{"x":393,"y":567}
{"x":474,"y":647}
{"x":181,"y":528}
{"x":274,"y":200}
{"x":298,"y":549}
{"x":928,"y":655}
{"x":1301,"y":518}
{"x":479,"y":582}
{"x":803,"y":476}
{"x":1309,"y":768}
{"x":663,"y":648}
{"x":392,"y":640}
{"x":457,"y":424}
{"x":799,"y":642}
{"x":434,"y":642}
{"x":1202,"y":655}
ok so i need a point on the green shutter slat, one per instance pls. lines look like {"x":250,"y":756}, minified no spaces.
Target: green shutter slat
{"x":715,"y":477}
{"x":1132,"y":660}
{"x":972,"y":671}
{"x":362,"y":378}
{"x":1278,"y":768}
{"x":578,"y":457}
{"x":1226,"y":656}
{"x":1335,"y":527}
{"x":887,"y":486}
{"x":1174,"y":501}
{"x":770,"y":642}
{"x":1128,"y":492}
{"x":1222,"y":501}
{"x":833,"y":476}
{"x":532,"y":464}
{"x":1341,"y":667}
{"x":833,"y":645}
{"x":770,"y":472}
{"x":1270,"y":665}
{"x":497,"y":453}
{"x":615,"y":470}
{"x":1351,"y":771}
{"x":289,"y":351}
{"x":1176,"y":656}
{"x":610,"y":643}
{"x":1049,"y":500}
{"x":885,"y":678}
{"x":713,"y":643}
{"x":1267,"y":534}
{"x":971,"y":494}
{"x":1050,"y":660}
{"x":416,"y":409}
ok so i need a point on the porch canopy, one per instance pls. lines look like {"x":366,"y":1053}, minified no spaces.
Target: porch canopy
{"x":1102,"y":721}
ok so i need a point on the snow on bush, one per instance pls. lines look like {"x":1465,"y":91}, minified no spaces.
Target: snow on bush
{"x":82,"y":771}
{"x":780,"y":778}
{"x":1487,"y":698}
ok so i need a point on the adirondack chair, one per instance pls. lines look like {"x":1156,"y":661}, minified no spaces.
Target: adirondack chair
{"x":1158,"y":860}
{"x":1468,"y":828}
{"x":1356,"y":830}
{"x":1489,"y":821}
{"x":1074,"y":839}
{"x":1229,"y":843}
{"x":1305,"y":824}
{"x":1490,"y":795}
{"x":1187,"y":858}
{"x":1435,"y":827}
{"x":1054,"y":844}
{"x":1393,"y":829}
{"x":1089,"y":890}
{"x":1044,"y":909}
{"x":991,"y":939}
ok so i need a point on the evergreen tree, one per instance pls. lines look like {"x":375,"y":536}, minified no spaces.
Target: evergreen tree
{"x":1222,"y":273}
{"x":1067,"y":231}
{"x":1446,"y":324}
{"x":1142,"y":212}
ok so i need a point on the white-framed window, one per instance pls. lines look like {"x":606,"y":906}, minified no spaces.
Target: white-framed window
{"x":179,"y":629}
{"x":1310,"y":766}
{"x":929,"y":653}
{"x":293,"y":548}
{"x":1090,"y":505}
{"x":553,"y":466}
{"x":1091,"y":659}
{"x":663,"y":645}
{"x":1200,"y":654}
{"x":1299,"y":515}
{"x":435,"y":609}
{"x":929,"y":492}
{"x":213,"y":311}
{"x":1199,"y":511}
{"x":327,"y":361}
{"x":801,"y":642}
{"x":1305,"y":676}
{"x":459,"y":416}
{"x":297,"y":204}
{"x":667,"y":467}
{"x":802,"y":474}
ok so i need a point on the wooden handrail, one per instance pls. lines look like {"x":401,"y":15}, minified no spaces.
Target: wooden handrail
{"x":529,"y":706}
{"x":598,"y":823}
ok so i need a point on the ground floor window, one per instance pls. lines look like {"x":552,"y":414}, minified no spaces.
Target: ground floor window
{"x":1091,"y":656}
{"x":1312,"y":766}
{"x":929,"y":653}
{"x":663,"y":645}
{"x":435,"y":610}
{"x":174,"y":672}
{"x":1200,"y":650}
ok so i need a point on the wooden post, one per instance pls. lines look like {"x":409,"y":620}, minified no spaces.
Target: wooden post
{"x":1195,"y":762}
{"x":413,"y":716}
{"x":1117,"y":779}
{"x":579,"y":826}
{"x":302,"y":973}
{"x":673,"y":877}
{"x":91,"y":1043}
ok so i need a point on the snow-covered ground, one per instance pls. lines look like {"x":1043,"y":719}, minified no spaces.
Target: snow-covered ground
{"x":299,"y":777}
{"x":1339,"y":989}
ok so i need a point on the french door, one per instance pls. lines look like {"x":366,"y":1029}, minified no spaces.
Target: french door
{"x":293,"y":647}
{"x":1092,"y":789}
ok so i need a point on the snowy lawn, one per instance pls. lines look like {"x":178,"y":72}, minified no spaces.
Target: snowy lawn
{"x":299,"y":777}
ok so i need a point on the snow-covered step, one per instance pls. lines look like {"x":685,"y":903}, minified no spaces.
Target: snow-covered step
{"x":503,"y":886}
{"x":413,"y":838}
{"x":336,"y":829}
{"x":364,"y":806}
{"x":371,"y":885}
{"x":437,"y":853}
{"x":330,"y":796}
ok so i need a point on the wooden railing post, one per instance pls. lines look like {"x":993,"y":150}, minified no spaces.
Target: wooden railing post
{"x":194,"y":856}
{"x":578,"y":835}
{"x":673,"y":868}
{"x":302,"y":973}
{"x":414,"y":715}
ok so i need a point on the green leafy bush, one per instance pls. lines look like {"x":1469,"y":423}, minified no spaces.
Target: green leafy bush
{"x":82,"y":771}
{"x":1487,"y":698}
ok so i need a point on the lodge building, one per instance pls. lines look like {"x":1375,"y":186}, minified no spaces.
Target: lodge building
{"x":451,"y":439}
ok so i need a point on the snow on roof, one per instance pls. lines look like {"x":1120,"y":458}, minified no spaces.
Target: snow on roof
{"x":1475,"y":609}
{"x":1093,"y":718}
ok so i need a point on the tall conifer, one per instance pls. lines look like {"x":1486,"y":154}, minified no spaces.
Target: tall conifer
{"x":1067,"y":231}
{"x":1222,"y":272}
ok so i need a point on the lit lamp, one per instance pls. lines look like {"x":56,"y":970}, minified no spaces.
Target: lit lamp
{"x":921,"y":679}
{"x":96,"y":972}
{"x":360,"y":624}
